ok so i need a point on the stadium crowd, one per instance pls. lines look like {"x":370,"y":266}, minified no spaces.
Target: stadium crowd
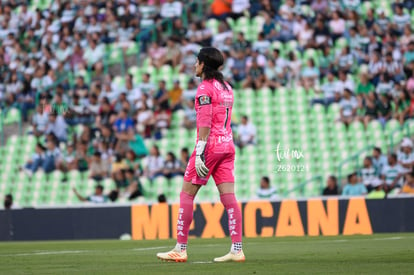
{"x":342,"y":51}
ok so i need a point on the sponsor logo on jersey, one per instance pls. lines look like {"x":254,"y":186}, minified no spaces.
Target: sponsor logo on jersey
{"x":204,"y":100}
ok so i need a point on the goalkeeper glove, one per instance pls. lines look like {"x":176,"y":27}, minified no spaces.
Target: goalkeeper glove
{"x":201,"y":168}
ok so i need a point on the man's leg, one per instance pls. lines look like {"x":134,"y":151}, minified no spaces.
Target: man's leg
{"x":185,"y":217}
{"x":229,"y":201}
{"x":185,"y":213}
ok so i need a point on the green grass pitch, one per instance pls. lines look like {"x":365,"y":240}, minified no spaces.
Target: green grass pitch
{"x":376,"y":254}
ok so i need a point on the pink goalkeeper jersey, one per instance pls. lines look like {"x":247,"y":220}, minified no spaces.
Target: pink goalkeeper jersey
{"x":214,"y":105}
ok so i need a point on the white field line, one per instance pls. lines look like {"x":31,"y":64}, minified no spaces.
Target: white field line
{"x":209,"y":262}
{"x":58,"y":252}
{"x":149,"y":248}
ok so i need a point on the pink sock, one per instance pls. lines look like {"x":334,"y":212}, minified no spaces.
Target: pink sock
{"x":185,"y":217}
{"x":234,"y":214}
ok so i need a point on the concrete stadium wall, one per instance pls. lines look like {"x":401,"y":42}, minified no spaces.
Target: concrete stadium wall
{"x":311,"y":217}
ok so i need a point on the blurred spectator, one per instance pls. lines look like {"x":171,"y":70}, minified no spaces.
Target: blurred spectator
{"x":97,"y":168}
{"x":8,"y":201}
{"x":220,"y":9}
{"x":221,"y":36}
{"x":161,"y":96}
{"x":377,"y":192}
{"x":348,"y":106}
{"x":378,"y":160}
{"x":331,"y":188}
{"x":238,"y":7}
{"x":133,"y":94}
{"x":146,"y":86}
{"x":162,"y":121}
{"x":385,"y":85}
{"x":354,"y":187}
{"x":178,"y":28}
{"x":190,"y":116}
{"x":157,"y":54}
{"x":172,"y":56}
{"x":171,"y":166}
{"x":51,"y":157}
{"x":96,"y":197}
{"x":36,"y":161}
{"x":246,"y":133}
{"x":191,"y":91}
{"x":329,"y":91}
{"x":93,"y":56}
{"x":133,"y":185}
{"x":188,"y":61}
{"x":384,"y":109}
{"x":391,"y":173}
{"x":319,"y":5}
{"x":145,"y":120}
{"x":171,"y":9}
{"x":241,"y":44}
{"x":175,"y":95}
{"x":39,"y":121}
{"x":255,"y":76}
{"x":310,"y":75}
{"x":344,"y":82}
{"x":68,"y":161}
{"x":57,"y":126}
{"x":266,"y":191}
{"x":124,"y":130}
{"x":337,"y":25}
{"x":364,"y":87}
{"x":133,"y":162}
{"x":408,"y":187}
{"x":155,"y":164}
{"x":402,"y":103}
{"x":406,"y":155}
{"x":368,"y":173}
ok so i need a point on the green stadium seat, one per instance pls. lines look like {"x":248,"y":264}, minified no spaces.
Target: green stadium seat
{"x":213,"y":24}
{"x":133,"y":49}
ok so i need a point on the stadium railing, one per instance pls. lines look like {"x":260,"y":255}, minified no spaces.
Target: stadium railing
{"x":355,"y":160}
{"x":300,"y":188}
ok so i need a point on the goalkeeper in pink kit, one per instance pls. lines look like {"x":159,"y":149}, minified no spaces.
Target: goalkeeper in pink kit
{"x":213,"y":156}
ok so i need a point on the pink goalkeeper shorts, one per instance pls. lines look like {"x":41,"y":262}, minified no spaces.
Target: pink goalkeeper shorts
{"x":221,"y":166}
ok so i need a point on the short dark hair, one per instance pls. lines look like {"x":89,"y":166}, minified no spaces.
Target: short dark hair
{"x":162,"y":198}
{"x":266,"y":179}
{"x":394,"y":156}
{"x":351,"y":175}
{"x":332,"y":177}
{"x":100,"y":187}
{"x":378,"y":149}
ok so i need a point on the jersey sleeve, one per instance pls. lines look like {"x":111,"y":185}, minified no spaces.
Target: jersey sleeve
{"x":204,"y":106}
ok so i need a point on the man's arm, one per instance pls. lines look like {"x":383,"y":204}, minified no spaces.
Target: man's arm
{"x":81,"y":198}
{"x":204,"y":117}
{"x":396,"y":179}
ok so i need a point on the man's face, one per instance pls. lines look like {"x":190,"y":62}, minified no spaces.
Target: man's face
{"x":263,"y":184}
{"x":198,"y":68}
